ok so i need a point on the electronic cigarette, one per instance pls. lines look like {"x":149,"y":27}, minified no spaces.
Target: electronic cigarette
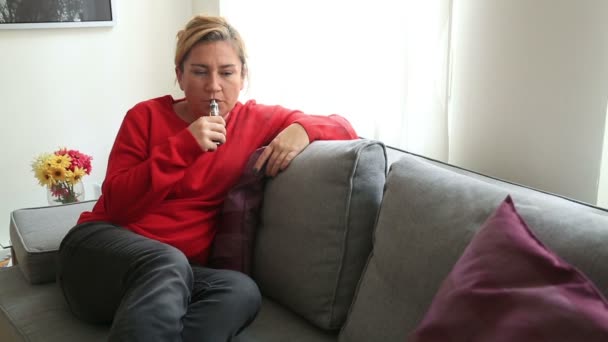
{"x":214,"y":108}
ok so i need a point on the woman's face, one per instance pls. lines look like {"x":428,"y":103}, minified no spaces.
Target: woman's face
{"x":212,"y":70}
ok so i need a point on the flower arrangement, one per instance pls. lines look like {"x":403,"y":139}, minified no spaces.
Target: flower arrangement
{"x":61,"y":172}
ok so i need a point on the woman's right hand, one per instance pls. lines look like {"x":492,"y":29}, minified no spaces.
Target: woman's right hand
{"x":209,"y":132}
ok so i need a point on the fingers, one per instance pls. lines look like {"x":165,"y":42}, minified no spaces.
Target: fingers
{"x":287,"y":160}
{"x":215,"y":119}
{"x":272,"y":158}
{"x":274,"y":163}
{"x":211,"y":139}
{"x":279,"y":163}
{"x":283,"y":149}
{"x":209,"y":132}
{"x":259,"y":164}
{"x":217,"y":128}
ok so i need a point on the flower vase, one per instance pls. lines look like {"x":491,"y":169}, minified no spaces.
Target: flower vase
{"x":64,"y":192}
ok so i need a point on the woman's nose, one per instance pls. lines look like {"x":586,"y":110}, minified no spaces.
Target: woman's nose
{"x":214,"y":83}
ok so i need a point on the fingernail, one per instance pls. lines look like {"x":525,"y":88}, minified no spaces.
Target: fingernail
{"x":256,"y":171}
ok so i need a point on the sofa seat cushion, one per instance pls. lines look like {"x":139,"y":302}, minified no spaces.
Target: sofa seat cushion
{"x":36,"y":234}
{"x":428,"y":216}
{"x":275,"y":323}
{"x":508,"y":286}
{"x":38,"y":313}
{"x":316,"y":228}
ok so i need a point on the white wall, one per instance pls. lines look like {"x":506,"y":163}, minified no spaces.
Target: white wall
{"x":208,"y":7}
{"x":529,"y":91}
{"x":72,"y":87}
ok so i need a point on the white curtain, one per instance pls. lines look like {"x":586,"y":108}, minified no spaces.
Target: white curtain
{"x":382,"y":64}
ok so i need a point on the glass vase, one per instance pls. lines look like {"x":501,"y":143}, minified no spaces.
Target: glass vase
{"x":65,"y":192}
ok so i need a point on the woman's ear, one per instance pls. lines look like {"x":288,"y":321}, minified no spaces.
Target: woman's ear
{"x":243,"y":76}
{"x":179,"y":75}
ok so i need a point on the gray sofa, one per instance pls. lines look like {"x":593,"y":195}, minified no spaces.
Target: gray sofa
{"x":354,"y":241}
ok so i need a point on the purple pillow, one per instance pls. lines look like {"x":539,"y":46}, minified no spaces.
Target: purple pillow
{"x":508,"y":286}
{"x":232,"y":247}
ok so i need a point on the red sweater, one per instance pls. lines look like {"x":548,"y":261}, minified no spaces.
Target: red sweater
{"x":160,"y":184}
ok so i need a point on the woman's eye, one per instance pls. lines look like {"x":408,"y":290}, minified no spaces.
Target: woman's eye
{"x":199,"y":72}
{"x":227,"y":73}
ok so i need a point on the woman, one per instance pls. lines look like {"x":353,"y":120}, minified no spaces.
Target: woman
{"x":138,"y":258}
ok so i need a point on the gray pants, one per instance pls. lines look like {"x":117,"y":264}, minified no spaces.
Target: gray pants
{"x":148,"y":290}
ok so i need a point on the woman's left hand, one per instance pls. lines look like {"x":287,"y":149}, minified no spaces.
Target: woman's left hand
{"x":282,"y":149}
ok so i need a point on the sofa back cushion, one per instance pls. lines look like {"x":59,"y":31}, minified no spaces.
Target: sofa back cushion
{"x":316,"y":229}
{"x":428,"y":216}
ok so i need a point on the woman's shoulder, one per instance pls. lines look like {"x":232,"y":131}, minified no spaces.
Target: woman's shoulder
{"x":155,"y":104}
{"x":252,"y":107}
{"x":152,"y":107}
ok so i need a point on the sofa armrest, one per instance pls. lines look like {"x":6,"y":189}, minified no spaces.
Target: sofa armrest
{"x":36,"y":234}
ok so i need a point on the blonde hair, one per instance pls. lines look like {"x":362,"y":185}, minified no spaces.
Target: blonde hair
{"x":203,"y":28}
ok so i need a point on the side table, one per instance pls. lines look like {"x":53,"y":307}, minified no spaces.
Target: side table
{"x":5,"y":259}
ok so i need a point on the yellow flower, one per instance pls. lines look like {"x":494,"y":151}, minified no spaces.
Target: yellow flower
{"x":58,"y":173}
{"x":63,"y":161}
{"x":69,"y":176}
{"x":40,"y":162}
{"x":76,"y":175}
{"x":44,"y":177}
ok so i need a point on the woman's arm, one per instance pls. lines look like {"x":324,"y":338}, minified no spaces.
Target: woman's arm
{"x":295,"y":131}
{"x":140,"y":176}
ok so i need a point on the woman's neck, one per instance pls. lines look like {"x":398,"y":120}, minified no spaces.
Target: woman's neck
{"x":182,"y":110}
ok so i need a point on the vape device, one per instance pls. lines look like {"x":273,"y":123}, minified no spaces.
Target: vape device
{"x":214,"y":108}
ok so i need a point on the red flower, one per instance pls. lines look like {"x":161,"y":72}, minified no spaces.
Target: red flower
{"x":79,"y":159}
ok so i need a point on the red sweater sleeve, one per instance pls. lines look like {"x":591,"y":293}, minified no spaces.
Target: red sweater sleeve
{"x":318,"y":127}
{"x":140,"y":174}
{"x":333,"y":127}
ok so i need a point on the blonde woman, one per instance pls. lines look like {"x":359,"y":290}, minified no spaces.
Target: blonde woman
{"x":138,"y":258}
